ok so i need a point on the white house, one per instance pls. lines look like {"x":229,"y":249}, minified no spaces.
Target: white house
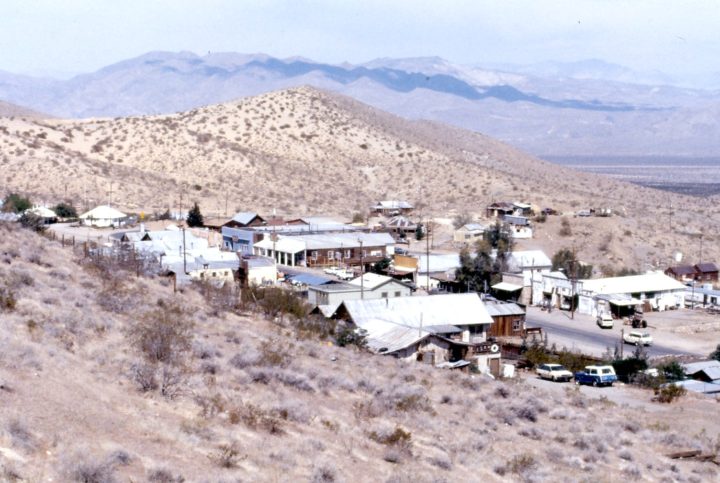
{"x":654,"y":288}
{"x":373,"y":286}
{"x":103,"y":216}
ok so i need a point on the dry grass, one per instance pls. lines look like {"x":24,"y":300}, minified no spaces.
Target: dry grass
{"x":254,"y":402}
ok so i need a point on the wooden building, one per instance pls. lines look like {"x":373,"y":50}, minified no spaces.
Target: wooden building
{"x":508,"y":319}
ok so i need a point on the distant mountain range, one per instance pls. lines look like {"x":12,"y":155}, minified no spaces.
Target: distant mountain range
{"x":585,"y":108}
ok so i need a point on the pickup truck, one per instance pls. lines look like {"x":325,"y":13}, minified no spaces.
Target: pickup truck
{"x":596,"y":376}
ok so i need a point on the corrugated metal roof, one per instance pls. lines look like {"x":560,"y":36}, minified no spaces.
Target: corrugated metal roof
{"x":307,"y":279}
{"x":244,"y":217}
{"x":499,"y":309}
{"x":370,"y":281}
{"x":507,"y":287}
{"x":428,"y":310}
{"x":439,"y":262}
{"x":649,"y":282}
{"x":387,"y":338}
{"x":694,"y":367}
{"x":519,"y":260}
{"x":472,"y":227}
{"x":393,"y":205}
{"x":699,"y":386}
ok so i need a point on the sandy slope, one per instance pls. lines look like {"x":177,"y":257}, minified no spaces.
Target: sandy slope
{"x":305,"y":151}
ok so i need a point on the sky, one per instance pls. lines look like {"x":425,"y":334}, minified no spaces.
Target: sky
{"x":65,"y":37}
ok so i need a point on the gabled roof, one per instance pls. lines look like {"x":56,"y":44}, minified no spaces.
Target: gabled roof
{"x":649,"y":282}
{"x":393,"y":205}
{"x":103,"y":212}
{"x":244,"y":217}
{"x":42,"y":212}
{"x":682,"y":270}
{"x":502,"y":205}
{"x":706,"y":267}
{"x":371,"y":281}
{"x":399,"y":221}
{"x":520,"y":260}
{"x":472,"y":227}
{"x":499,"y":309}
{"x":417,"y":311}
{"x":695,"y":367}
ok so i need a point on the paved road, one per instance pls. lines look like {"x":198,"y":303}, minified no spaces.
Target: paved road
{"x":583,"y":334}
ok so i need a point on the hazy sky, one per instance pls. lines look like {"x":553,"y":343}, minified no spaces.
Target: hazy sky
{"x":679,"y":37}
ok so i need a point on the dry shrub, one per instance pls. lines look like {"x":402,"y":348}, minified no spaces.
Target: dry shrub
{"x":397,"y":437}
{"x":8,"y":299}
{"x":228,"y":455}
{"x":255,"y":417}
{"x":406,"y":398}
{"x":669,"y":393}
{"x":163,"y":475}
{"x":162,"y":335}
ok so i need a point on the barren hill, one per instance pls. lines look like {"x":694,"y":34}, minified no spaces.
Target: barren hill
{"x":308,"y":151}
{"x":85,"y":396}
{"x":12,"y":110}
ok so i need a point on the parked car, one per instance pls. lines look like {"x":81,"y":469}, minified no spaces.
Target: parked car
{"x":596,"y":376}
{"x":636,"y":337}
{"x":584,"y":213}
{"x":344,"y":274}
{"x":605,"y":321}
{"x":554,"y":372}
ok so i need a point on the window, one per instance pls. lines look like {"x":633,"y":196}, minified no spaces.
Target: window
{"x":397,"y":294}
{"x":516,"y":325}
{"x":214,"y":274}
{"x":331,"y":255}
{"x":314,"y":255}
{"x":348,"y":253}
{"x":383,"y":295}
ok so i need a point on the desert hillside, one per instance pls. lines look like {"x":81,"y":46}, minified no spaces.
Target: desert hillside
{"x":306,"y":151}
{"x":237,"y":397}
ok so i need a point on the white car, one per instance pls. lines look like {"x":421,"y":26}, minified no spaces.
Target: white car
{"x":554,"y":372}
{"x":605,"y":321}
{"x":636,"y":337}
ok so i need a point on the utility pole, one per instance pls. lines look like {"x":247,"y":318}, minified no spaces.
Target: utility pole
{"x":184,"y":253}
{"x":427,"y":255}
{"x":362,"y":271}
{"x":573,"y":281}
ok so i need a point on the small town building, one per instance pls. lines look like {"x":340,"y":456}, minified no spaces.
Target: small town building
{"x":499,"y":209}
{"x":706,"y":272}
{"x":434,"y":329}
{"x":47,"y":215}
{"x":103,"y":217}
{"x":682,"y":273}
{"x":392,"y":207}
{"x":651,"y":291}
{"x":400,"y":226}
{"x":508,"y":319}
{"x":520,"y":226}
{"x":468,"y":233}
{"x":368,"y":286}
{"x":259,"y":271}
{"x":326,"y":250}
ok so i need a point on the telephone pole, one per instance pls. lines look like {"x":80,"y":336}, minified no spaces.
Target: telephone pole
{"x":427,"y":255}
{"x":362,"y":271}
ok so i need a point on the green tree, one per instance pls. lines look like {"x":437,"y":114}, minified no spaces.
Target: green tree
{"x":419,"y":232}
{"x":716,"y":353}
{"x":16,"y":203}
{"x":381,"y":266}
{"x":565,"y":260}
{"x":195,"y":217}
{"x":65,"y":210}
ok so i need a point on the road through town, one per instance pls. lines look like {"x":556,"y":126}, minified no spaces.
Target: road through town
{"x":583,"y":334}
